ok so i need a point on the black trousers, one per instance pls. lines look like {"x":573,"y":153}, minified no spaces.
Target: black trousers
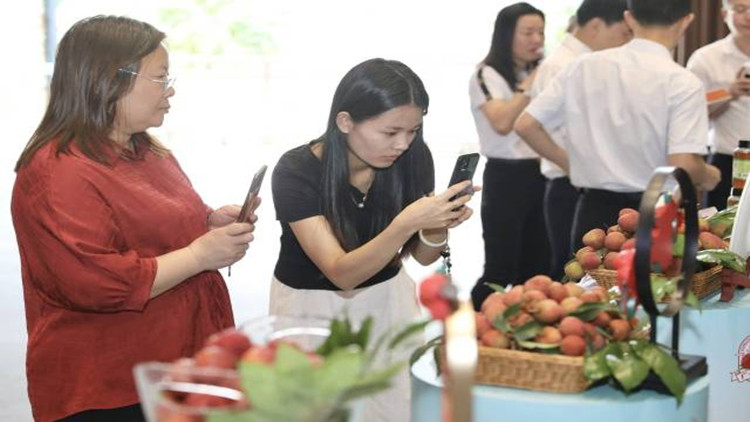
{"x":515,"y":238}
{"x":131,"y":413}
{"x":599,"y":208}
{"x":560,"y":198}
{"x":718,"y":197}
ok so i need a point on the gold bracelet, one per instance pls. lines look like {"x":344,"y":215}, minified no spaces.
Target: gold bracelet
{"x":433,"y":244}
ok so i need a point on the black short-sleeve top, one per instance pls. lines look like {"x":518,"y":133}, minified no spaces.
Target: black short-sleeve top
{"x":297,"y":194}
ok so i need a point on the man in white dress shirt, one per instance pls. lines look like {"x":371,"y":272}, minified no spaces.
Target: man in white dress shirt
{"x":726,"y":64}
{"x":629,"y":110}
{"x":600,"y":24}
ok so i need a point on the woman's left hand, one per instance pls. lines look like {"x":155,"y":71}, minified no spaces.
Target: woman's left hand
{"x":466,"y":213}
{"x":226,"y":215}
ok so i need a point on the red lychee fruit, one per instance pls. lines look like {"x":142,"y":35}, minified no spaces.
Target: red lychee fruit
{"x":538,"y":282}
{"x":614,"y":241}
{"x":628,"y":221}
{"x":558,"y":292}
{"x":582,"y":251}
{"x":573,"y":270}
{"x":620,"y":329}
{"x":482,"y":324}
{"x":609,"y":260}
{"x":549,"y":335}
{"x":594,"y":238}
{"x":495,"y":338}
{"x":570,"y":304}
{"x":629,"y":244}
{"x":548,"y":311}
{"x":216,"y":357}
{"x":571,"y":326}
{"x":602,"y":320}
{"x":590,"y":261}
{"x":573,"y":345}
{"x":230,"y":339}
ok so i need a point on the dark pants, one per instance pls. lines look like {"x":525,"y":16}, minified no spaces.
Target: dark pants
{"x":718,"y":197}
{"x":120,"y":414}
{"x":515,"y":239}
{"x":598,"y":208}
{"x":560,"y":198}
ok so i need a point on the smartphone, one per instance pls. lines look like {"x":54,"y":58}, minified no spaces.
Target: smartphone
{"x":250,"y":203}
{"x":464,"y":169}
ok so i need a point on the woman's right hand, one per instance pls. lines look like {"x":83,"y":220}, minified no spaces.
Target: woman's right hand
{"x":222,"y":246}
{"x":436,"y":212}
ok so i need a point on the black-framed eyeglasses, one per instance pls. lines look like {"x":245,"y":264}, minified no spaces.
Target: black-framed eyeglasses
{"x":165,"y":83}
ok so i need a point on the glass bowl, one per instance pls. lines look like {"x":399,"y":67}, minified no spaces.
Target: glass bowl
{"x":171,"y":392}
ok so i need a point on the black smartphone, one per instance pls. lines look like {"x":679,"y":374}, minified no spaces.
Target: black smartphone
{"x":464,"y":169}
{"x":250,"y":203}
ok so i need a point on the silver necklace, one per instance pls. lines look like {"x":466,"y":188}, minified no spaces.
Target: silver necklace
{"x":359,"y":204}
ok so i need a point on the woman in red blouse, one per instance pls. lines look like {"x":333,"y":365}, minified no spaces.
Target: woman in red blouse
{"x":119,"y":253}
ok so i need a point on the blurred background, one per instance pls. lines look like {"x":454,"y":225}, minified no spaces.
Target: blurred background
{"x":254,"y":79}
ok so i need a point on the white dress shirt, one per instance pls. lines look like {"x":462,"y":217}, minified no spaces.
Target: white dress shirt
{"x":627,"y":109}
{"x":717,"y":65}
{"x":493,"y":144}
{"x":569,"y":49}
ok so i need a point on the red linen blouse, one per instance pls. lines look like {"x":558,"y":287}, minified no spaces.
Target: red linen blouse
{"x":88,"y":235}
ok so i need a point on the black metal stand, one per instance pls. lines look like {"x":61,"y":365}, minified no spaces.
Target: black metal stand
{"x":693,"y":366}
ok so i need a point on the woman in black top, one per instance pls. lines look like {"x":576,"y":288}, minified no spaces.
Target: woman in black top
{"x":354,"y":202}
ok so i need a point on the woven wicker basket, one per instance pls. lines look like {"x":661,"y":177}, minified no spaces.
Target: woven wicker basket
{"x":704,"y":282}
{"x":530,"y":371}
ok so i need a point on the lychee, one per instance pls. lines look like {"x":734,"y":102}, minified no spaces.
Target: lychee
{"x":620,"y":329}
{"x":573,"y":270}
{"x":614,"y":241}
{"x":557,"y":291}
{"x":570,"y":304}
{"x":628,"y":221}
{"x":548,"y":311}
{"x":549,"y":335}
{"x":495,"y":338}
{"x":574,"y":289}
{"x":594,"y":238}
{"x":571,"y":325}
{"x":573,"y":345}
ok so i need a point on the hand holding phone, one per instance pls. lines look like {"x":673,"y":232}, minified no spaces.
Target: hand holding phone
{"x":464,"y":169}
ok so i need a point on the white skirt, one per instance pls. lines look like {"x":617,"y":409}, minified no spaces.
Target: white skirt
{"x":392,"y":304}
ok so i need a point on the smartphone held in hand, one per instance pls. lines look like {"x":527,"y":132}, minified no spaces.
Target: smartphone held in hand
{"x":464,"y":169}
{"x":251,"y":203}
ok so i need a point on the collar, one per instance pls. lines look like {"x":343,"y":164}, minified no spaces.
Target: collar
{"x":575,"y":45}
{"x":649,"y":47}
{"x":730,"y":47}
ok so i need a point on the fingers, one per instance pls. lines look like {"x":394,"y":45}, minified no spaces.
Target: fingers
{"x":235,"y":229}
{"x":454,"y":190}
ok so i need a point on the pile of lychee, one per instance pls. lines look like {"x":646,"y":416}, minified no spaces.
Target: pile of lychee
{"x":552,"y":316}
{"x":601,"y":247}
{"x":216,"y":364}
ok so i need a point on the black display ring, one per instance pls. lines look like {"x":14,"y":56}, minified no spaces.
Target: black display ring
{"x":643,"y":240}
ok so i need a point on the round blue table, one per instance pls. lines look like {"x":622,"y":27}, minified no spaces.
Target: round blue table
{"x":720,"y":332}
{"x":601,"y":404}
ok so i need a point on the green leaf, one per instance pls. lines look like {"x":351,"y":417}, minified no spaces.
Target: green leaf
{"x":528,"y":330}
{"x":415,"y":328}
{"x":502,"y":324}
{"x":373,"y":383}
{"x":589,"y":311}
{"x":363,"y":336}
{"x":664,"y":365}
{"x":595,"y":365}
{"x":722,"y":257}
{"x":512,"y":311}
{"x":662,"y":286}
{"x":436,"y":352}
{"x":421,"y":350}
{"x":626,"y":367}
{"x":495,"y":287}
{"x":339,"y":371}
{"x":532,"y":345}
{"x":692,"y":300}
{"x":678,"y":248}
{"x":290,"y":359}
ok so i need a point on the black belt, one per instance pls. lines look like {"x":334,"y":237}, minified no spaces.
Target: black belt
{"x":611,"y":195}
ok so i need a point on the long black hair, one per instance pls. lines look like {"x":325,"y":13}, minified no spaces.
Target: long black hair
{"x":500,"y":56}
{"x":366,"y":91}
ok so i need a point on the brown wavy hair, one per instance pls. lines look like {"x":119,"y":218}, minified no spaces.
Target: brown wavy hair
{"x":87,"y":83}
